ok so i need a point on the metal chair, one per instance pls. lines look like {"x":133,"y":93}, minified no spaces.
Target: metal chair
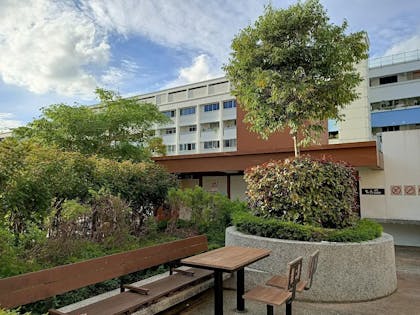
{"x":273,"y":296}
{"x":280,"y":281}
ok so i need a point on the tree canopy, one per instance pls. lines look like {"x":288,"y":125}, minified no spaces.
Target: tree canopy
{"x":117,"y":128}
{"x":294,"y":69}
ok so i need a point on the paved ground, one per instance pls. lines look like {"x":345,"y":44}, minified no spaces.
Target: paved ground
{"x":406,"y":300}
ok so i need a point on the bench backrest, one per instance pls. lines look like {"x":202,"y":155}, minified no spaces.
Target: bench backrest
{"x":39,"y":285}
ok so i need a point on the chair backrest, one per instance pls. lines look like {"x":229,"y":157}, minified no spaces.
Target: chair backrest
{"x":312,"y":266}
{"x":294,"y":272}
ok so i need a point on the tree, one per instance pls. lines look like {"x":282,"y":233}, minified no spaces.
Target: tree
{"x":118,"y":128}
{"x":293,"y":69}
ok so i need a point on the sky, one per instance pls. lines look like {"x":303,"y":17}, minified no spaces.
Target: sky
{"x":59,"y":51}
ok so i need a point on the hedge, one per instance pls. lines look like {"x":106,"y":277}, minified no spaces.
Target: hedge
{"x":363,"y":230}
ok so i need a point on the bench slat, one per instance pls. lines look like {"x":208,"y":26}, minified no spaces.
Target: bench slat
{"x":35,"y":286}
{"x":128,"y":302}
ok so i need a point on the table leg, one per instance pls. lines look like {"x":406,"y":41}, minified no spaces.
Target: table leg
{"x":218,"y":292}
{"x":240,"y":290}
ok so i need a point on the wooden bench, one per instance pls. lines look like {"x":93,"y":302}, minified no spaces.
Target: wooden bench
{"x":39,"y":285}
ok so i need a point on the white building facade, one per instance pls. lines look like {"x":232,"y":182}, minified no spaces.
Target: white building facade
{"x":202,"y":117}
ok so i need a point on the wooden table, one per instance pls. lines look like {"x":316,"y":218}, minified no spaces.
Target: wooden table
{"x":227,"y":259}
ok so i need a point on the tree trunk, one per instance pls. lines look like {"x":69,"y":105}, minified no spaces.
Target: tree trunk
{"x":296,"y":146}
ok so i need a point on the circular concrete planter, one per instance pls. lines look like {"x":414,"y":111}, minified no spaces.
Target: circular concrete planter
{"x":347,"y":272}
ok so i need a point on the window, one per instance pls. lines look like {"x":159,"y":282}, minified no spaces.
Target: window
{"x":169,"y":113}
{"x":187,"y":147}
{"x":170,"y":131}
{"x":211,"y":144}
{"x":229,"y":104}
{"x":229,"y":123}
{"x":188,"y":129}
{"x":211,"y":107}
{"x":389,"y":79}
{"x":230,"y":143}
{"x":390,"y":128}
{"x":170,"y":148}
{"x":210,"y":127}
{"x":332,"y":134}
{"x":416,"y":75}
{"x":187,"y":111}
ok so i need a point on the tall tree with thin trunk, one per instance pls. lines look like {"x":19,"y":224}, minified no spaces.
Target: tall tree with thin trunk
{"x":294,"y":69}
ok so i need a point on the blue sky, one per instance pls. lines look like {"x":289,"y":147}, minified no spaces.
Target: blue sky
{"x":59,"y":51}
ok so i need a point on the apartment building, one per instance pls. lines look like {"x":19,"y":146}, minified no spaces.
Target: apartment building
{"x":394,"y":92}
{"x":202,"y":117}
{"x":209,"y":145}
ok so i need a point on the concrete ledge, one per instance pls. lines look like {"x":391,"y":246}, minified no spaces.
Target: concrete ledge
{"x":163,"y":304}
{"x":347,"y":272}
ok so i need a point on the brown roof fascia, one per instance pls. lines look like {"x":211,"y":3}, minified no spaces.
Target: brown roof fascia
{"x":356,"y":153}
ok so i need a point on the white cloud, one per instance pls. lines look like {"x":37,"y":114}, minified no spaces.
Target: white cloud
{"x":200,"y":70}
{"x":207,"y":26}
{"x":115,"y":76}
{"x":7,"y":123}
{"x":409,"y":44}
{"x":47,"y":46}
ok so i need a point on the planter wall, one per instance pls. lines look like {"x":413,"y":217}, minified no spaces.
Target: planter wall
{"x":347,"y":272}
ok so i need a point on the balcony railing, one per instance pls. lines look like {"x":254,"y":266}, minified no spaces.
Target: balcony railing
{"x":394,"y":59}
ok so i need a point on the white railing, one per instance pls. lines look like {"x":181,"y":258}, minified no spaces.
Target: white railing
{"x":393,"y":59}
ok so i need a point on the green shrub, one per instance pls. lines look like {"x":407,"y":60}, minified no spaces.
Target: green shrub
{"x":303,"y":190}
{"x":210,"y":213}
{"x":35,"y":180}
{"x":144,"y":185}
{"x":363,"y":230}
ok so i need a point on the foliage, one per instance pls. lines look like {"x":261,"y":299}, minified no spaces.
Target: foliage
{"x":33,"y":177}
{"x":293,"y":69}
{"x":12,"y":312}
{"x":106,"y":218}
{"x":210,"y":213}
{"x":144,"y":185}
{"x":35,"y":180}
{"x":118,"y":128}
{"x":363,"y":230}
{"x":10,"y":262}
{"x":303,"y":190}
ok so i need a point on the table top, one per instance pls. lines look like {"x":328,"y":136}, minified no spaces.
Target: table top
{"x":228,"y":258}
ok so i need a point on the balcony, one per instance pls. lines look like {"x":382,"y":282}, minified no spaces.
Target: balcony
{"x":169,"y":138}
{"x":229,"y":133}
{"x":406,"y":116}
{"x":209,"y":134}
{"x":187,"y":137}
{"x":229,"y":113}
{"x":187,"y":120}
{"x":209,"y":116}
{"x":394,"y":91}
{"x":169,"y":124}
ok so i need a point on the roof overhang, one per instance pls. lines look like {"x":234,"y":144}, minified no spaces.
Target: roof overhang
{"x":358,"y":154}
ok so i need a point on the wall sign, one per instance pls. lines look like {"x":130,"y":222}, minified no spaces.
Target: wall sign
{"x":410,"y":190}
{"x":396,"y":190}
{"x":373,"y":191}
